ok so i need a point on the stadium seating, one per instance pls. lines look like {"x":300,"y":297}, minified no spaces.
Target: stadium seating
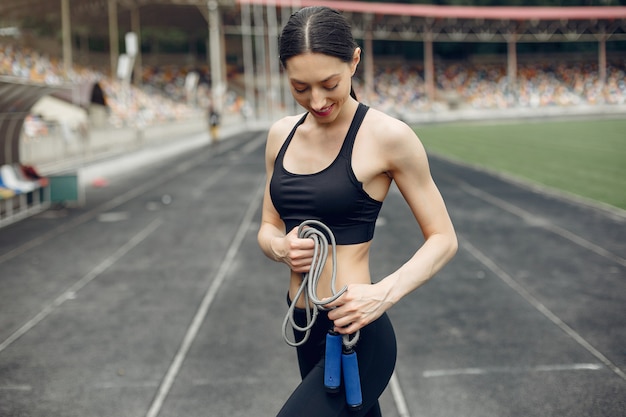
{"x":476,"y":85}
{"x":398,"y":89}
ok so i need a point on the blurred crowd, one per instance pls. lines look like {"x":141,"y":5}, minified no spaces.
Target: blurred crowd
{"x":486,"y":86}
{"x":126,"y":104}
{"x":164,"y":94}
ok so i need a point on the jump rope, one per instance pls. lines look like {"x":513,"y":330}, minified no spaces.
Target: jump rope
{"x":340,"y":357}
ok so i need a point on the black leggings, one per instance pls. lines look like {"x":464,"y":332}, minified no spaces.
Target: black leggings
{"x":376,"y":352}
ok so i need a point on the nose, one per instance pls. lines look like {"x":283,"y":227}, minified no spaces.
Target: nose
{"x":318,"y":99}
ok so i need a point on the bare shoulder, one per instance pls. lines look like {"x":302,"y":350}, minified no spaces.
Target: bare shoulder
{"x":391,"y":134}
{"x":279,"y":131}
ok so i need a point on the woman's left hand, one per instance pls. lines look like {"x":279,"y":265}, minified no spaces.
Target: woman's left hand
{"x":360,"y":305}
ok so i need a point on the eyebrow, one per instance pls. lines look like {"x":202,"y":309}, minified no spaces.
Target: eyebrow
{"x":293,"y":80}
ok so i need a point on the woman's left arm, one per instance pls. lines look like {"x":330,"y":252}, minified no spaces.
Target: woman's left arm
{"x":408,"y":165}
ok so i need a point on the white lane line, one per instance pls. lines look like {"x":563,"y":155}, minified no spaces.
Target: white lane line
{"x":530,"y":218}
{"x":500,"y":273}
{"x":70,"y":292}
{"x":209,"y":296}
{"x":115,"y":202}
{"x":398,"y":396}
{"x":200,"y":191}
{"x":507,"y":369}
{"x":126,"y":384}
{"x":24,"y":388}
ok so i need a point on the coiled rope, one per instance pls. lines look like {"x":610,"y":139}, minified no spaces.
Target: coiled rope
{"x":308,"y":286}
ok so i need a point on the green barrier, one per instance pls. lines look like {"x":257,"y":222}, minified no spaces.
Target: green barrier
{"x":66,"y":189}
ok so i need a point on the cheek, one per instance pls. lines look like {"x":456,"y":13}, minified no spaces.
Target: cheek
{"x":301,"y":99}
{"x":341,"y":93}
{"x":347,"y":88}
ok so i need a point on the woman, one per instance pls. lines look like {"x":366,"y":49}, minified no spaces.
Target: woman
{"x":335,"y":164}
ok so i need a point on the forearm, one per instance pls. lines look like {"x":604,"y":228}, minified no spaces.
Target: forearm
{"x":268,"y":234}
{"x":427,"y":261}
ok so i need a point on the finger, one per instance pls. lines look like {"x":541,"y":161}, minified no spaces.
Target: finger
{"x":340,"y":301}
{"x":348,"y":329}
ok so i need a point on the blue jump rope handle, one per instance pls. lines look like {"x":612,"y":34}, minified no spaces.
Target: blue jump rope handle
{"x":350,"y":365}
{"x":332,"y":366}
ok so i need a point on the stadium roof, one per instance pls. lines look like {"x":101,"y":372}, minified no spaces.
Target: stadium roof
{"x":461,"y":12}
{"x":92,"y":14}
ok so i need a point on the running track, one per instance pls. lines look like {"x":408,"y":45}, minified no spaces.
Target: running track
{"x":154,"y":300}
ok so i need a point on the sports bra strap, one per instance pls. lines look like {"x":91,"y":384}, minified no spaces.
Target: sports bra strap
{"x":348,"y":143}
{"x":283,"y":149}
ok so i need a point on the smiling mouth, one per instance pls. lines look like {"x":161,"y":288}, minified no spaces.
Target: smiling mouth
{"x":324,"y":112}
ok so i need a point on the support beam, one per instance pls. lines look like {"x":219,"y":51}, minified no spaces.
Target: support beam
{"x":429,"y":67}
{"x":261,"y":62}
{"x":368,"y":57}
{"x":67,"y":37}
{"x":114,"y":37}
{"x":272,"y":50}
{"x":135,"y":26}
{"x":215,"y":53}
{"x":248,"y":60}
{"x":602,"y":59}
{"x":511,"y":66}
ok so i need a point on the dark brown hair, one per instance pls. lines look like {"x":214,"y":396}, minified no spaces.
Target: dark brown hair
{"x":317,"y":29}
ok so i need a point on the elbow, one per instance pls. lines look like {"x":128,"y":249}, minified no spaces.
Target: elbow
{"x":453,"y":246}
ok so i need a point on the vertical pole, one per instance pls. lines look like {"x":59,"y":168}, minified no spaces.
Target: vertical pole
{"x":272,"y":49}
{"x":67,"y":37}
{"x":429,"y":67}
{"x":295,"y":6}
{"x":369,"y":57}
{"x":261,"y":81}
{"x":511,"y":57}
{"x":290,"y":105}
{"x":602,"y":59}
{"x":113,"y":36}
{"x":248,"y":60}
{"x":136,"y":29}
{"x":216,"y":53}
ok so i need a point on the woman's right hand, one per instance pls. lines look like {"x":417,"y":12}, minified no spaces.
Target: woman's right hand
{"x":294,"y":251}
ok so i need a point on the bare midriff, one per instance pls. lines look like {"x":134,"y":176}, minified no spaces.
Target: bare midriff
{"x":352,"y":268}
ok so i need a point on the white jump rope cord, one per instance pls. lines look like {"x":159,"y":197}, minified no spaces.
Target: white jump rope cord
{"x":308,"y":287}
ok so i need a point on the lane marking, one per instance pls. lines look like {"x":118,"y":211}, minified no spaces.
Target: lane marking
{"x":70,"y":293}
{"x":605,"y":209}
{"x":111,"y":204}
{"x":200,"y":191}
{"x":507,"y":369}
{"x":504,"y":276}
{"x":398,"y":396}
{"x":126,"y":384}
{"x":209,"y":296}
{"x":531,"y":219}
{"x":22,"y":387}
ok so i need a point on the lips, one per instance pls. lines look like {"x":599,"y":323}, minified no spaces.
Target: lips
{"x":324,"y":112}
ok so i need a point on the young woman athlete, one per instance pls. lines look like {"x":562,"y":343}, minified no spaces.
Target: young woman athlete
{"x":335,"y":163}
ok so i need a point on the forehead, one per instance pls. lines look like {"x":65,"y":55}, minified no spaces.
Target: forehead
{"x":314,"y":67}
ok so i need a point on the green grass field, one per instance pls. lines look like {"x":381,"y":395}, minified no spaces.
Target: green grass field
{"x":586,"y":158}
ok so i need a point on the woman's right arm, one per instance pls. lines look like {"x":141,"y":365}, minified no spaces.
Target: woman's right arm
{"x":273,"y":239}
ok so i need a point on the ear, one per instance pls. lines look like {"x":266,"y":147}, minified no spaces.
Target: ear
{"x":356,"y":58}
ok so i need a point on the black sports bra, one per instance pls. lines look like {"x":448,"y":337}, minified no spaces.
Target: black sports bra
{"x":333,"y":196}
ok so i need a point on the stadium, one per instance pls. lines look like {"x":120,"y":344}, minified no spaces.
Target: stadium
{"x":112,"y":182}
